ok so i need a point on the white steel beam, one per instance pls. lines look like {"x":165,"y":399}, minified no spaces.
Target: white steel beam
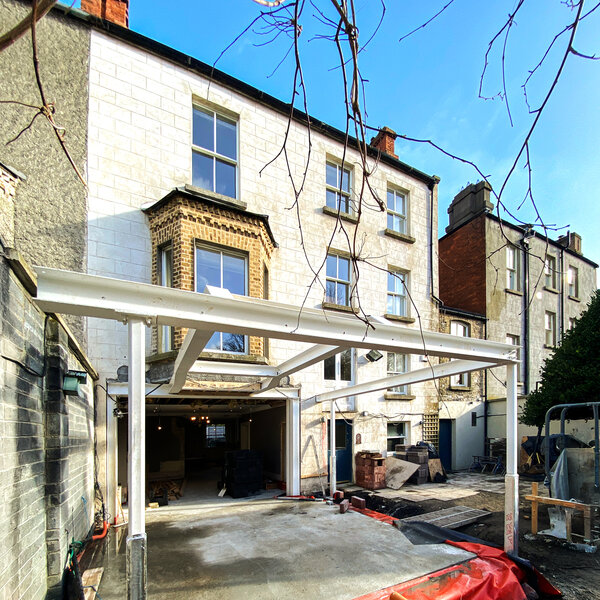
{"x":136,"y":462}
{"x":305,"y":359}
{"x":194,"y":342}
{"x":511,"y":480}
{"x":103,"y":297}
{"x":164,"y":391}
{"x":453,"y":367}
{"x":232,"y":368}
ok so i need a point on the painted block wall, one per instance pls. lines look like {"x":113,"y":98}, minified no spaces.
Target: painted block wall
{"x":140,"y":129}
{"x":46,"y":455}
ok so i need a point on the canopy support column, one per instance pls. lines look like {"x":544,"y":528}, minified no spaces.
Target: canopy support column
{"x":136,"y":476}
{"x":332,"y":457}
{"x":292,"y":475}
{"x":511,"y":498}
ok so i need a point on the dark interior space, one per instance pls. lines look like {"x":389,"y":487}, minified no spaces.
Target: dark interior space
{"x":197,"y":446}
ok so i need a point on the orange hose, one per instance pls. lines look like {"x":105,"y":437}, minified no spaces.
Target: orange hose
{"x":103,"y":534}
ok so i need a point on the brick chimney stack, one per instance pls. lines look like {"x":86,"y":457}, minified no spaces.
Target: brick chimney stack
{"x":116,"y":11}
{"x":385,"y":140}
{"x":571,"y":240}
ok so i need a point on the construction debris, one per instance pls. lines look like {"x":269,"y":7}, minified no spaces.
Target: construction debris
{"x":370,"y":470}
{"x":398,"y":472}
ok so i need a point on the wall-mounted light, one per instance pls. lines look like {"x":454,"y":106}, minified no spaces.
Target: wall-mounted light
{"x":374,"y":355}
{"x":72,"y":382}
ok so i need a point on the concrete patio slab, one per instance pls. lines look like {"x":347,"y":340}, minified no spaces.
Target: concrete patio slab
{"x":268,"y":548}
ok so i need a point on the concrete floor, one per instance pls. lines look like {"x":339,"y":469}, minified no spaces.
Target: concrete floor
{"x":203,"y":546}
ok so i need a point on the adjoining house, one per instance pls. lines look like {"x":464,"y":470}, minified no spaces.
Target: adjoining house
{"x":530,"y":289}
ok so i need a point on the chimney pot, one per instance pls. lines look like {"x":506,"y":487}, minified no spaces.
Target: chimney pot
{"x":116,"y":11}
{"x":385,"y":140}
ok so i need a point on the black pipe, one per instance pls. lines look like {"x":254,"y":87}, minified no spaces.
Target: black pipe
{"x":525,"y":344}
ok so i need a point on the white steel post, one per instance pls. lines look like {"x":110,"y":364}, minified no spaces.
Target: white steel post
{"x":511,"y":494}
{"x":136,"y":463}
{"x":292,"y":447}
{"x":332,"y":463}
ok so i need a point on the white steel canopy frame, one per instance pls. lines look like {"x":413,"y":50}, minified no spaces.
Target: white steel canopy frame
{"x":204,"y":313}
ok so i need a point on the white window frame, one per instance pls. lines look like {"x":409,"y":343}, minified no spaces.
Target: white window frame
{"x":513,"y":268}
{"x":572,"y":322}
{"x":338,"y":281}
{"x":392,"y":440}
{"x":400,"y":278}
{"x":573,"y":281}
{"x":395,"y":214}
{"x":404,"y":390}
{"x":337,"y":189}
{"x":213,"y":154}
{"x":337,"y":358}
{"x":550,"y":329}
{"x":231,"y":252}
{"x":550,"y":271}
{"x":515,"y":340}
{"x":165,"y":279}
{"x":461,"y":329}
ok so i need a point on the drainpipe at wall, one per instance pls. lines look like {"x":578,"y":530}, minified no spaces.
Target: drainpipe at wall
{"x":561,"y":312}
{"x":431,"y":186}
{"x":527,"y":233}
{"x":485,"y":398}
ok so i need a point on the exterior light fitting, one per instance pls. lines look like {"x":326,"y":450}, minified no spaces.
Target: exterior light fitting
{"x":72,"y":381}
{"x":374,"y":355}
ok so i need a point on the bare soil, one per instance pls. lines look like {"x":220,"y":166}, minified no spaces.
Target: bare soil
{"x":576,"y":574}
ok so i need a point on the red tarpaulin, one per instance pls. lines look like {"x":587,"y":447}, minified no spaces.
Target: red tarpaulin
{"x":492,"y":575}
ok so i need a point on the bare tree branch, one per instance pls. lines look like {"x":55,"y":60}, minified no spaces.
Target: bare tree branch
{"x":21,"y":28}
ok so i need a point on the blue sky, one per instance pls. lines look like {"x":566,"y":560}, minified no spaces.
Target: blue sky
{"x":427,"y":87}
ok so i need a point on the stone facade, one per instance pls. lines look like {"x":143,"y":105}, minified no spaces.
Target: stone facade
{"x":46,"y":455}
{"x":517,"y":292}
{"x":463,"y":405}
{"x":140,"y":132}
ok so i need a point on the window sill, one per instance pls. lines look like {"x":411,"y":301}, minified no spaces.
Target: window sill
{"x":339,"y":307}
{"x":327,"y":210}
{"x":169,"y":355}
{"x":403,"y":237}
{"x":514,"y":292}
{"x":395,"y":396}
{"x":574,"y":298}
{"x":215,"y":197}
{"x":399,"y":318}
{"x":224,"y":356}
{"x":551,"y":290}
{"x":459,"y":388}
{"x":549,"y":347}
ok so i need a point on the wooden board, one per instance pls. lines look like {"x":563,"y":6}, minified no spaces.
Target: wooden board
{"x":90,"y":581}
{"x":397,"y":472}
{"x":435,"y":467}
{"x":451,"y":518}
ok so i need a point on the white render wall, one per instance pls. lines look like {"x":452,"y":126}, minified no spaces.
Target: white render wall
{"x":140,"y":132}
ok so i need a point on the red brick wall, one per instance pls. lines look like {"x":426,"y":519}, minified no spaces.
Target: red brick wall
{"x":462,"y":267}
{"x":116,"y":11}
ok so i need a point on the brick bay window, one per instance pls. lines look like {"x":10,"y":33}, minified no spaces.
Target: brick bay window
{"x":398,"y":300}
{"x":337,"y":285}
{"x":214,"y":152}
{"x":337,"y":194}
{"x":200,"y":239}
{"x":165,"y":278}
{"x":223,"y":269}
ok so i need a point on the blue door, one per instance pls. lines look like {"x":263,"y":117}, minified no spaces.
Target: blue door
{"x":343,"y":450}
{"x":446,"y":443}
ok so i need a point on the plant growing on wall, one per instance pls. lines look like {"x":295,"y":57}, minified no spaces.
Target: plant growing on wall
{"x":572,"y":373}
